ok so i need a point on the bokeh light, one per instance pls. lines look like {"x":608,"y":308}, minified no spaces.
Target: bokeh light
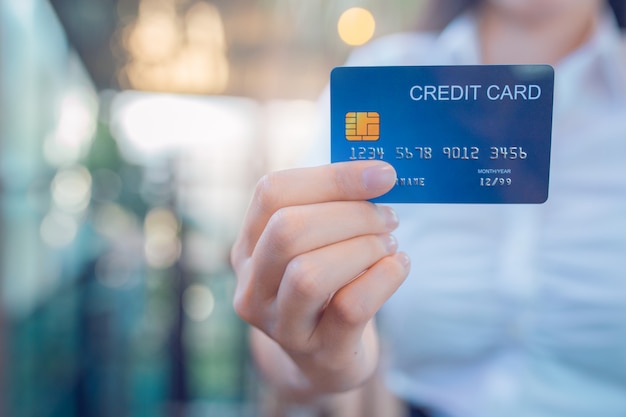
{"x":71,"y":189}
{"x":75,"y":126}
{"x":58,"y":229}
{"x":356,"y":26}
{"x":170,"y":51}
{"x":198,"y":302}
{"x":162,"y":246}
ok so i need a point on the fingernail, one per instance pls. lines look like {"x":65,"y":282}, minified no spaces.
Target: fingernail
{"x":391,"y":243}
{"x":379,"y":177}
{"x":404,"y":260}
{"x":390,"y":216}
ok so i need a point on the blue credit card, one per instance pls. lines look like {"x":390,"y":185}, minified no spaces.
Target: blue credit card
{"x":455,"y":134}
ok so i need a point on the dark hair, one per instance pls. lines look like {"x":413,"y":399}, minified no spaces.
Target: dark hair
{"x":438,"y":13}
{"x":619,"y":8}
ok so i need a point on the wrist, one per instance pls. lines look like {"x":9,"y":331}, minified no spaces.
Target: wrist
{"x":329,"y":371}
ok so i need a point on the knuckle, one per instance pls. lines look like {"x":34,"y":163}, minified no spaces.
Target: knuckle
{"x":244,"y":307}
{"x":236,"y":256}
{"x":240,"y":306}
{"x":350,"y":311}
{"x":284,"y":228}
{"x":303,"y":278}
{"x":267,"y":192}
{"x":343,"y":181}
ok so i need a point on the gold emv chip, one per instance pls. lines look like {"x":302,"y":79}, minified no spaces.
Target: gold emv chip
{"x":362,"y":126}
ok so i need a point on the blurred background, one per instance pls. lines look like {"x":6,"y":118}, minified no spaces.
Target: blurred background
{"x":131,"y":135}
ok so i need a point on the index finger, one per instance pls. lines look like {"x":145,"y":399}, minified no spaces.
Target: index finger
{"x":344,"y":181}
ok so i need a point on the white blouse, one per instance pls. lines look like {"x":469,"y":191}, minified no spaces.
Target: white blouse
{"x":520,"y":310}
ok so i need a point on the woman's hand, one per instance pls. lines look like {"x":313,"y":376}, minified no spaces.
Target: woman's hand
{"x":314,"y":263}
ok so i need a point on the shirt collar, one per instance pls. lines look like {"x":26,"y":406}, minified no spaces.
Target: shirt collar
{"x":459,"y":41}
{"x":601,"y":61}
